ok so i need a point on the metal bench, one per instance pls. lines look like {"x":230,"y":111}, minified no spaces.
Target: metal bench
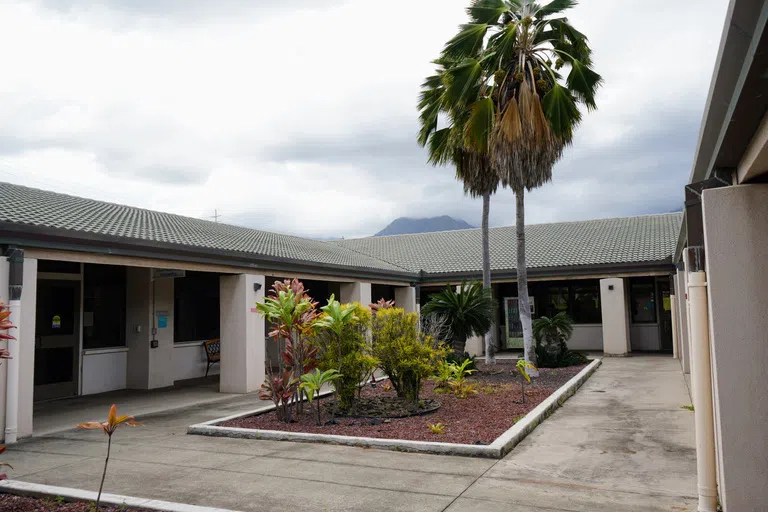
{"x":212,"y":352}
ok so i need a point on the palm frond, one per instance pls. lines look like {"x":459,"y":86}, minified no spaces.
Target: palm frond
{"x":561,"y":111}
{"x":487,"y":11}
{"x":555,"y":7}
{"x":462,"y":82}
{"x":467,"y":42}
{"x":583,"y":83}
{"x":480,"y":125}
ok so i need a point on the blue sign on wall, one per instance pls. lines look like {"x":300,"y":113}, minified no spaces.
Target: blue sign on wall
{"x":162,"y":319}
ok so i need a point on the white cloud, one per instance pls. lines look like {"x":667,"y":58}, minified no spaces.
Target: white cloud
{"x":302,"y":119}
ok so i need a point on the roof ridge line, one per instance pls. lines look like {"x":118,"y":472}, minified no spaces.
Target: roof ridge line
{"x":335,"y":242}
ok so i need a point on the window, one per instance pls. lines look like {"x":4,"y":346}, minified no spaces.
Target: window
{"x":585,"y":308}
{"x":642,"y":293}
{"x":196,"y":307}
{"x":103,"y":306}
{"x":557,"y":300}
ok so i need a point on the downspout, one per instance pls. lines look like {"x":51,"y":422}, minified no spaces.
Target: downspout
{"x":701,"y":382}
{"x":15,"y":281}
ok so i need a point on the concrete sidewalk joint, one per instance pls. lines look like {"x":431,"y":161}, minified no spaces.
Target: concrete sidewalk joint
{"x":32,"y":490}
{"x":496,"y":450}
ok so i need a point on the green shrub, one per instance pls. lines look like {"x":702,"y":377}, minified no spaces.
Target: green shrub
{"x":405,"y":354}
{"x":453,"y":358}
{"x":552,"y":335}
{"x":352,"y":344}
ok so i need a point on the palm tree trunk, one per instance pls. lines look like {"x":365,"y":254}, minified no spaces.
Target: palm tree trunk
{"x":490,"y":350}
{"x":522,"y":283}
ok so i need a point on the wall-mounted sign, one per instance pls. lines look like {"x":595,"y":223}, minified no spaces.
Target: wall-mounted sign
{"x":167,"y":273}
{"x":56,"y":322}
{"x":162,"y":319}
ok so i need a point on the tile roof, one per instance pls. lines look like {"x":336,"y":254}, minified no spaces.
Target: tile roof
{"x":647,"y":238}
{"x":80,"y":216}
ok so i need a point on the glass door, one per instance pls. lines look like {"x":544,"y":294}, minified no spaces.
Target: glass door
{"x":57,"y":339}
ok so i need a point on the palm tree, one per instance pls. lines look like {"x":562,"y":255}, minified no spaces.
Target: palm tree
{"x":468,"y":312}
{"x":473,"y":168}
{"x":526,"y":110}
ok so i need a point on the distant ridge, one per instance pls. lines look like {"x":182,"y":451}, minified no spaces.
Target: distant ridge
{"x":405,"y":225}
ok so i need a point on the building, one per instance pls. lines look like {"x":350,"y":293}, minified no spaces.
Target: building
{"x":116,"y":297}
{"x":722,"y":277}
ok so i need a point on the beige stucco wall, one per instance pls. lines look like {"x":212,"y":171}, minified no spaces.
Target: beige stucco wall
{"x":242,"y":334}
{"x":736,"y":243}
{"x":357,"y":291}
{"x":405,"y":297}
{"x":615,"y":321}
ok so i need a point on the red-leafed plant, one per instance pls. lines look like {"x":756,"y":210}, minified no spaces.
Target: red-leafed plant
{"x":292,"y":312}
{"x":109,"y":427}
{"x":381,"y":304}
{"x":280,"y":389}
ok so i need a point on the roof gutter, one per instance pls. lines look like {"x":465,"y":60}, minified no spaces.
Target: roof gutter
{"x":49,"y":238}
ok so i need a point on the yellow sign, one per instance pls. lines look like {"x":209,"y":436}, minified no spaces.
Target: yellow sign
{"x":56,"y":322}
{"x":667,"y":304}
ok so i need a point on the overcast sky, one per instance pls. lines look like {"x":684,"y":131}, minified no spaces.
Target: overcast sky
{"x":299,"y":116}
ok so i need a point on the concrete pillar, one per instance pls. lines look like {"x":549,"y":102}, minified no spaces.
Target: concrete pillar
{"x":357,"y":291}
{"x":26,"y":340}
{"x":146,"y":300}
{"x":682,"y":310}
{"x":27,"y":348}
{"x":613,"y":304}
{"x":673,"y":313}
{"x":243,"y":333}
{"x":736,"y":249}
{"x":405,"y":297}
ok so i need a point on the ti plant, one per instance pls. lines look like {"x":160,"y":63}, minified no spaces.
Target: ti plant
{"x":312,"y":383}
{"x":109,"y":427}
{"x":522,"y":367}
{"x":280,"y":389}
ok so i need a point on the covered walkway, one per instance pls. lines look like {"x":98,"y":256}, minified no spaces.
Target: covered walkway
{"x":621,"y":443}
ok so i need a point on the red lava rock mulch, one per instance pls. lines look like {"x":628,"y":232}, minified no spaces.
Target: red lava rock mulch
{"x":479,"y":419}
{"x":12,"y":503}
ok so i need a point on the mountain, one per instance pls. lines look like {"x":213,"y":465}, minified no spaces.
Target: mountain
{"x":405,"y":225}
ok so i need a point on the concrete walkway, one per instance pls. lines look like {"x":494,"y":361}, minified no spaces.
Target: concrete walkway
{"x":621,"y":443}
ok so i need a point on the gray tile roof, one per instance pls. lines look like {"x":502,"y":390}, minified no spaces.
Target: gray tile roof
{"x":648,"y":238}
{"x":80,"y":216}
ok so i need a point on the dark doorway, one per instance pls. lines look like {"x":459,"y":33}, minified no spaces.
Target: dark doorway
{"x":57,"y":339}
{"x":665,"y":314}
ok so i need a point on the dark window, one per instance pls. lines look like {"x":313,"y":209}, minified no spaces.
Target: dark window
{"x":57,"y":306}
{"x":642,"y":293}
{"x":585,"y":308}
{"x":58,"y":267}
{"x":103,"y":306}
{"x":196,"y":307}
{"x":557,"y":301}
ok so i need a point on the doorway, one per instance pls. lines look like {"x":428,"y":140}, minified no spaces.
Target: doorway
{"x":57,"y":339}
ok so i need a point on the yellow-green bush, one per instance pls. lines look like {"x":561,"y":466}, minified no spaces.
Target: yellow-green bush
{"x":405,"y":354}
{"x":357,"y":363}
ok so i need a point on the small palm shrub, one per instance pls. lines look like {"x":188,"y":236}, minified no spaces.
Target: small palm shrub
{"x":468,"y":312}
{"x":312,"y":383}
{"x":453,"y":377}
{"x":406,"y":355}
{"x":341,"y":337}
{"x":552,"y":335}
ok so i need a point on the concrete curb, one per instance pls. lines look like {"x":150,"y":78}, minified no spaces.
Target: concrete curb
{"x":20,"y":488}
{"x":496,"y":450}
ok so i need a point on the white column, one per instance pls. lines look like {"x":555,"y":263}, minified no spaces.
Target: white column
{"x":27,"y":348}
{"x":682,"y":316}
{"x":673,"y":309}
{"x":357,"y":291}
{"x":161,"y":368}
{"x":613,"y":304}
{"x":242,"y":333}
{"x":405,"y":297}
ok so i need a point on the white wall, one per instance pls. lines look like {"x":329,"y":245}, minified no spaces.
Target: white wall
{"x":161,"y":362}
{"x":104,"y":370}
{"x":242,"y":333}
{"x":615,"y":328}
{"x":644,"y":337}
{"x":586,"y":337}
{"x":736,"y":254}
{"x":27,"y":347}
{"x":189,"y":361}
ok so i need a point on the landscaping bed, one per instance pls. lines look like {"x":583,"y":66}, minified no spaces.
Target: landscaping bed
{"x":13,"y":503}
{"x":478,"y":419}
